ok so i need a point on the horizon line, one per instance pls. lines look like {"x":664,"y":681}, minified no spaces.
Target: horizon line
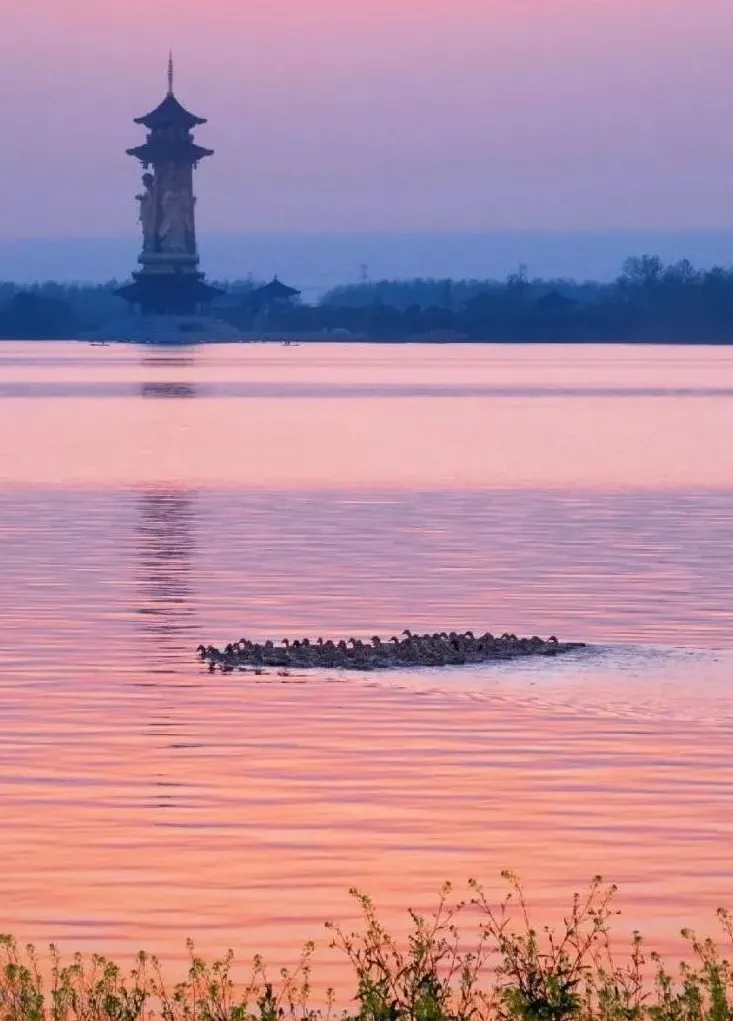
{"x":385,"y":232}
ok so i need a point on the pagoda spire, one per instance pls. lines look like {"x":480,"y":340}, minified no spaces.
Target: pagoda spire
{"x":170,"y":72}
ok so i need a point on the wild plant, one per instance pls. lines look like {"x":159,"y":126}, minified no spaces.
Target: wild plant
{"x":506,"y":968}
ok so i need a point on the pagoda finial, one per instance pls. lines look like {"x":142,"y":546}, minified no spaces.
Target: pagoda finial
{"x":170,"y":73}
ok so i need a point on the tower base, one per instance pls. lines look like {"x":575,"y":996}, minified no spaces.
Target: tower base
{"x":168,"y":330}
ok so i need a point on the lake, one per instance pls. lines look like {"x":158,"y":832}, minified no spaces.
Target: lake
{"x":154,"y":498}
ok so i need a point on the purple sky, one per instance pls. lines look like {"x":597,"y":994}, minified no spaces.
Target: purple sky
{"x":354,"y":115}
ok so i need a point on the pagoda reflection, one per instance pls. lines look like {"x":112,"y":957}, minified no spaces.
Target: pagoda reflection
{"x":166,"y":545}
{"x":166,"y":624}
{"x":165,"y":528}
{"x":157,"y":358}
{"x":165,"y":389}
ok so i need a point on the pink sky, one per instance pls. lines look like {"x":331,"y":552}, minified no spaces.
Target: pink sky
{"x":348,"y":115}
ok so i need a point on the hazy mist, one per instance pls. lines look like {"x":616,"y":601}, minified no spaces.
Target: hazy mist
{"x":316,"y":262}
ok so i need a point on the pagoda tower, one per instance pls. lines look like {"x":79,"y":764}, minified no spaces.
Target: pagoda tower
{"x":169,"y":282}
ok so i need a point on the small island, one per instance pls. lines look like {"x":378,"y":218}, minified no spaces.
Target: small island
{"x":439,"y":649}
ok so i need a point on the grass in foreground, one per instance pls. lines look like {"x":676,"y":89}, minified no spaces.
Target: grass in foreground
{"x":504,"y":970}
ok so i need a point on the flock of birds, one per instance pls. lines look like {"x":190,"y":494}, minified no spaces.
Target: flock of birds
{"x":408,"y":650}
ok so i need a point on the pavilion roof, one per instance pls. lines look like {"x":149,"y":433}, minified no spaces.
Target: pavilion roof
{"x":275,"y":289}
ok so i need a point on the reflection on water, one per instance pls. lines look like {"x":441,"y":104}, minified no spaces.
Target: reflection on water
{"x":144,"y":800}
{"x":166,"y":539}
{"x":166,"y":543}
{"x":153,"y":361}
{"x":167,"y":390}
{"x":367,"y":417}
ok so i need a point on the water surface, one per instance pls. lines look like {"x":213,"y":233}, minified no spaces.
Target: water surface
{"x":152,"y":498}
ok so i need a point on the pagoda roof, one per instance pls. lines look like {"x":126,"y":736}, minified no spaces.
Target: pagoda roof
{"x":169,"y":114}
{"x":158,"y":150}
{"x":168,"y":289}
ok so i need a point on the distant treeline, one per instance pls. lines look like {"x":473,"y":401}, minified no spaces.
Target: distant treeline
{"x":650,"y":302}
